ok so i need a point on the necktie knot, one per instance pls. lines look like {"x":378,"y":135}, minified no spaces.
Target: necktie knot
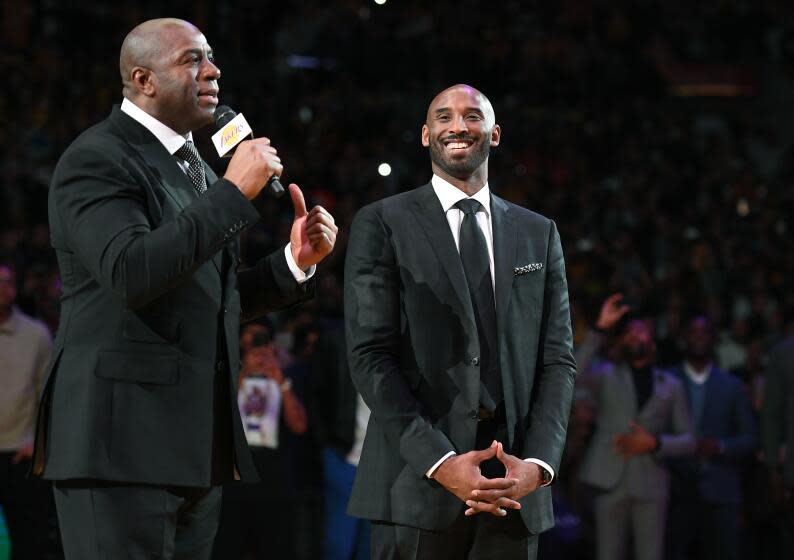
{"x":195,"y":169}
{"x":188,"y":152}
{"x":468,"y":206}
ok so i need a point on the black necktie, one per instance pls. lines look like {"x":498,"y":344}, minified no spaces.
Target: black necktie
{"x":477,"y":267}
{"x":195,"y":169}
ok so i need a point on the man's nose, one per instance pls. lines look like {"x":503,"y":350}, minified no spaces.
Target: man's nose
{"x":210,"y":71}
{"x":458,"y":125}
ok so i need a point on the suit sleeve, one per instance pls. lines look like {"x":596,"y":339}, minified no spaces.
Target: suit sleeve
{"x":681,"y":440}
{"x":103,"y":211}
{"x":556,"y":372}
{"x":270,"y":285}
{"x":372,"y":321}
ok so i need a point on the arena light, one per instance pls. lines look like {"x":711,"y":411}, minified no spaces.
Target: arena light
{"x":384,"y":169}
{"x":380,"y":2}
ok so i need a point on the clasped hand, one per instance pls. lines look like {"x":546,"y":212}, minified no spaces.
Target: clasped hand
{"x":461,"y":475}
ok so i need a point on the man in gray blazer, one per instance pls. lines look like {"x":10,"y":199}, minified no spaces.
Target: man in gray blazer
{"x":642,"y":419}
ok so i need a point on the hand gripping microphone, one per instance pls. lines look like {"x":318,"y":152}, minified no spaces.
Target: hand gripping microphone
{"x":233,"y":129}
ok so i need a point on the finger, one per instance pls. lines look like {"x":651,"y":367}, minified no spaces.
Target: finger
{"x":297,"y":200}
{"x":485,"y":507}
{"x":320,"y":210}
{"x":613,"y":299}
{"x":507,"y":503}
{"x":318,"y":227}
{"x":493,"y":496}
{"x":320,"y":217}
{"x":495,"y":483}
{"x":483,"y":455}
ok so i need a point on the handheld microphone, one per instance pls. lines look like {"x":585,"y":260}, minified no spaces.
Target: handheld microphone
{"x":226,"y":141}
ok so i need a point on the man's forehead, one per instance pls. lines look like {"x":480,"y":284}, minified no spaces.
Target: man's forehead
{"x":470,"y":97}
{"x":459,"y":93}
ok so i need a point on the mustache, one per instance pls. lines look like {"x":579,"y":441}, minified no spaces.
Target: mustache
{"x":457,"y":137}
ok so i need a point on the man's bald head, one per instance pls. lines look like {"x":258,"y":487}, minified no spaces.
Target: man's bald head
{"x":146,"y":45}
{"x":479,"y":99}
{"x":459,"y":130}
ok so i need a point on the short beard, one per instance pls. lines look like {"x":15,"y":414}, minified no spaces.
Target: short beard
{"x":460,"y":169}
{"x":636,"y":353}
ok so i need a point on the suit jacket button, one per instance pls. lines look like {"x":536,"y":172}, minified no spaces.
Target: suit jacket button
{"x":475,"y":361}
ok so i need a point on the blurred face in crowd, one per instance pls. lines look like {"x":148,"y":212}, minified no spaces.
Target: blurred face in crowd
{"x":699,"y":339}
{"x":637,"y":342}
{"x":8,"y":289}
{"x":459,"y":131}
{"x":167,"y":69}
{"x":250,"y":333}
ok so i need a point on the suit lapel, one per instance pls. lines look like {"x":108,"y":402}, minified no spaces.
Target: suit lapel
{"x":626,"y":382}
{"x":162,"y":164}
{"x":504,"y":249}
{"x":432,"y":219}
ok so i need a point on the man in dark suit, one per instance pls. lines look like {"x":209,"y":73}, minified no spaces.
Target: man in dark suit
{"x":777,"y":433}
{"x":706,"y":486}
{"x":137,"y":424}
{"x":459,"y":340}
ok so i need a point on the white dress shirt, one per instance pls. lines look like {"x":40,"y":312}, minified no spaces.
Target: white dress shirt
{"x":698,"y":377}
{"x":449,"y":195}
{"x":173,"y":141}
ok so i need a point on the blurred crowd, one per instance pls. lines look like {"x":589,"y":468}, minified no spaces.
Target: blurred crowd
{"x":658,"y":136}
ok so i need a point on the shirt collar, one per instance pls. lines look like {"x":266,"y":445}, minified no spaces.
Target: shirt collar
{"x":448,"y":194}
{"x":170,"y":139}
{"x":697,"y":377}
{"x":10,"y":325}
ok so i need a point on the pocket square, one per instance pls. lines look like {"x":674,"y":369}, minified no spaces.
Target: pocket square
{"x":527,"y":268}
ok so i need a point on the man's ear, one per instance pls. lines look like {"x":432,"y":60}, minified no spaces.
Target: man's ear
{"x":496,"y":134}
{"x":143,"y":81}
{"x":425,"y":136}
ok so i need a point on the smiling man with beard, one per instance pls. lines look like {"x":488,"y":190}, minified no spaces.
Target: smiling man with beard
{"x":459,"y":339}
{"x":643,"y":418}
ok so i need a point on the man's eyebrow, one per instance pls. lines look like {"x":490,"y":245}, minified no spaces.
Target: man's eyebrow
{"x":197,"y":51}
{"x":477,"y":110}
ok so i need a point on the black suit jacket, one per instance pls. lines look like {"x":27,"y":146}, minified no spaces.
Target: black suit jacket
{"x":150,"y":314}
{"x":413,"y":346}
{"x":333,"y":400}
{"x":777,"y":416}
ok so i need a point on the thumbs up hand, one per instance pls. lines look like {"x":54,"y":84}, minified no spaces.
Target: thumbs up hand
{"x":313,"y":233}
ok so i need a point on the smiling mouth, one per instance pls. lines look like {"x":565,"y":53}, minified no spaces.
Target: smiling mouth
{"x":458,"y":145}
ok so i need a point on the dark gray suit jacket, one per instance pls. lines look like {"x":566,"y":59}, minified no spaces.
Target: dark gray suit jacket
{"x":151,"y":293}
{"x":777,"y":417}
{"x":413,"y":350}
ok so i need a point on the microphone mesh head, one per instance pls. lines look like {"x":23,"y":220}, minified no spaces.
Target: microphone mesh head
{"x":223,"y":114}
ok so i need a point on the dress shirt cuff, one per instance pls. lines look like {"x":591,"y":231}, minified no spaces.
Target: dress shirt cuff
{"x":434,"y":468}
{"x":544,"y":465}
{"x":300,"y":276}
